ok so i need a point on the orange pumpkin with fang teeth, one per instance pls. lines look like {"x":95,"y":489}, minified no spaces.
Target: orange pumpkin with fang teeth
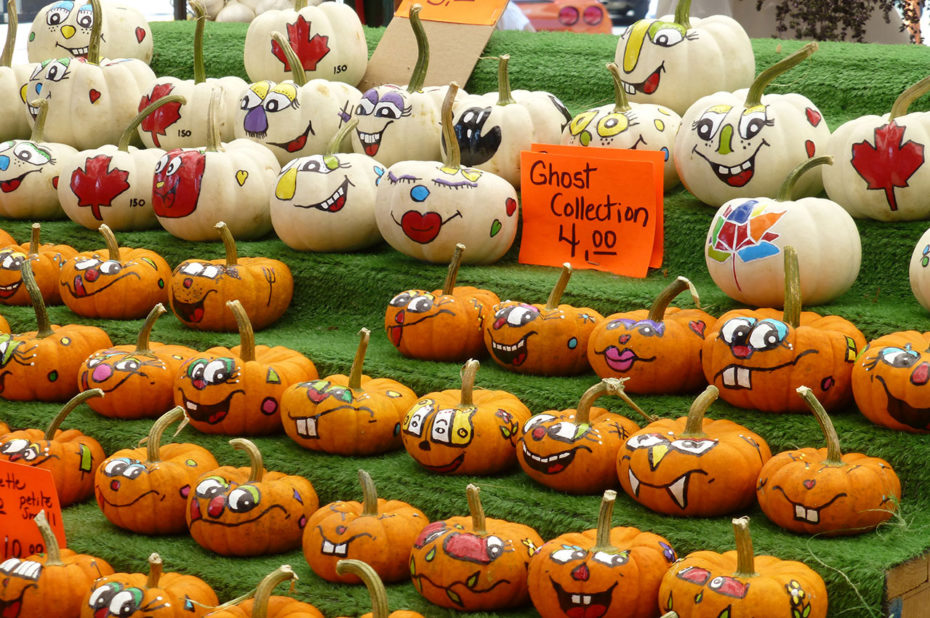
{"x":46,"y":261}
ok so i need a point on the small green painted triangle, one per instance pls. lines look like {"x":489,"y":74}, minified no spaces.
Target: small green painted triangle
{"x":272,"y":377}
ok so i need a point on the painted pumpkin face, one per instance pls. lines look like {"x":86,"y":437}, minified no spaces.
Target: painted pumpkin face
{"x":889,"y":381}
{"x":177,"y":181}
{"x":67,"y":27}
{"x":45,"y":266}
{"x":30,"y":170}
{"x":378,"y":111}
{"x":269,"y":110}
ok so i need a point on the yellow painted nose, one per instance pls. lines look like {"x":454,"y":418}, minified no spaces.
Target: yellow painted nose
{"x":67,"y":31}
{"x":634,"y":44}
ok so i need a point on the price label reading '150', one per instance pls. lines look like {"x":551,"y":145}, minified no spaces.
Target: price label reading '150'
{"x":593,"y":213}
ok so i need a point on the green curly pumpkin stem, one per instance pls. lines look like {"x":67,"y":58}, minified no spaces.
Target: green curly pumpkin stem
{"x":143,"y":340}
{"x":369,"y":495}
{"x":621,"y":103}
{"x":418,"y":76}
{"x":791,"y":314}
{"x":257,"y":469}
{"x":555,"y":296}
{"x":335,"y":145}
{"x":6,"y":59}
{"x":109,"y":238}
{"x":834,"y":453}
{"x":153,"y":445}
{"x":607,"y":386}
{"x":130,"y":131}
{"x":911,"y":94}
{"x":762,"y":81}
{"x":369,"y":577}
{"x":300,"y":4}
{"x":604,"y":516}
{"x":355,"y":375}
{"x":52,"y":548}
{"x":662,"y":301}
{"x":38,"y":129}
{"x":694,"y":426}
{"x":478,"y":521}
{"x":745,"y":558}
{"x":298,"y":75}
{"x":229,"y":244}
{"x":504,"y":94}
{"x":43,"y":325}
{"x":267,"y":585}
{"x":68,"y":408}
{"x":786,"y":190}
{"x":452,"y":274}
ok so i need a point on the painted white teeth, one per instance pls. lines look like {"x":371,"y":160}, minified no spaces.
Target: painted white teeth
{"x":737,"y":377}
{"x":506,"y":348}
{"x":576,"y":599}
{"x":723,"y":170}
{"x":191,"y":405}
{"x":368,"y":138}
{"x":747,"y":165}
{"x":809,"y":515}
{"x":634,"y":483}
{"x":306,"y":427}
{"x":677,"y":491}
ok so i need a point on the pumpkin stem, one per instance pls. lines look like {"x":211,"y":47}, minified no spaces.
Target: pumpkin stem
{"x":745,"y":558}
{"x":298,"y":75}
{"x":694,"y":426}
{"x":621,"y":103}
{"x":267,"y":585}
{"x":142,"y":341}
{"x":834,"y":454}
{"x":683,"y":13}
{"x":662,"y":301}
{"x":110,"y":239}
{"x":43,"y":325}
{"x":418,"y":76}
{"x":246,"y":334}
{"x":335,"y":144}
{"x":214,"y":143}
{"x":904,"y":100}
{"x":156,"y":567}
{"x":754,"y":96}
{"x":355,"y":376}
{"x":453,"y":272}
{"x":38,"y":129}
{"x":469,"y":370}
{"x":69,"y":407}
{"x":200,"y":17}
{"x":255,"y":458}
{"x":452,"y":159}
{"x":34,"y":244}
{"x":52,"y":548}
{"x":504,"y":94}
{"x":369,"y":495}
{"x":786,"y":191}
{"x":93,"y":48}
{"x":229,"y":244}
{"x":556,"y":294}
{"x":130,"y":131}
{"x":478,"y":523}
{"x":6,"y":59}
{"x":300,"y":4}
{"x":607,"y":386}
{"x":364,"y":571}
{"x":791,"y":314}
{"x":153,"y":446}
{"x":602,"y":538}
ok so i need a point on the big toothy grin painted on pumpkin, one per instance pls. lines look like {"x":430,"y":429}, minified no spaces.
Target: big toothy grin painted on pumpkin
{"x":736,"y":175}
{"x":334,"y":202}
{"x":551,"y":464}
{"x":190,"y":312}
{"x":807,"y":514}
{"x":903,"y":412}
{"x":621,"y":360}
{"x":511,"y":354}
{"x":208,"y":413}
{"x":7,"y":291}
{"x":8,"y":186}
{"x":648,"y":85}
{"x":371,"y":142}
{"x":74,"y":51}
{"x":583,"y":604}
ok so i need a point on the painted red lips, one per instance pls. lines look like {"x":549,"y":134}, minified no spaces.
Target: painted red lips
{"x":421,"y":228}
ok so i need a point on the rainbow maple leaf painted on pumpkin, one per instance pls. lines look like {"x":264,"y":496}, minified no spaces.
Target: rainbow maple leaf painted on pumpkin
{"x":163,"y":117}
{"x":96,"y":185}
{"x":743,"y":231}
{"x":310,"y":49}
{"x":889,"y":163}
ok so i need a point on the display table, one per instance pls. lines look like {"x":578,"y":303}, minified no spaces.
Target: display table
{"x":336,"y":295}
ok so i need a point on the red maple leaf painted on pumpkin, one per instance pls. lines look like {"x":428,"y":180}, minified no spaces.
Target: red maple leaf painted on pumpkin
{"x":163,"y":117}
{"x":310,"y":49}
{"x":889,"y":163}
{"x":96,"y":185}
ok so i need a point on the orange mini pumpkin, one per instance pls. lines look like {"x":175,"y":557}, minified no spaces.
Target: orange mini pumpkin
{"x":890,"y":378}
{"x":237,"y":391}
{"x":659,"y":350}
{"x":462,"y":431}
{"x":379,"y":531}
{"x":549,"y":340}
{"x":575,"y":450}
{"x":473,"y":563}
{"x":46,"y":264}
{"x":693,"y":465}
{"x":43,"y":364}
{"x":138,"y":380}
{"x":347,"y":415}
{"x":262,"y":603}
{"x":50,"y":583}
{"x":442,"y":325}
{"x":601,"y":572}
{"x":145,"y":489}
{"x":116,"y":282}
{"x":758,"y":358}
{"x":738,"y":583}
{"x":823,"y":491}
{"x":249,"y":511}
{"x":69,"y":455}
{"x":379,"y":601}
{"x":151,"y":595}
{"x":199,"y":289}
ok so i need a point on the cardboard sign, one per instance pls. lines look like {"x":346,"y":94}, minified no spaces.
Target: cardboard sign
{"x":24,"y":491}
{"x":457,"y":30}
{"x":595,"y":208}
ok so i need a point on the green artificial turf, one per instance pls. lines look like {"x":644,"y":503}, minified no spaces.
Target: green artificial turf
{"x":335,"y":295}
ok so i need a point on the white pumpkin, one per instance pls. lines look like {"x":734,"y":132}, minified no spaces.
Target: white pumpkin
{"x":880,"y":170}
{"x":63,"y":29}
{"x":234,"y":180}
{"x":235,"y":11}
{"x":425,"y":208}
{"x":622,"y":124}
{"x":213,"y":7}
{"x":327,"y":202}
{"x":744,"y":143}
{"x":674,"y":63}
{"x":744,"y":249}
{"x":295,"y":118}
{"x":919,"y":271}
{"x":14,"y":121}
{"x":327,"y":38}
{"x":112,"y":184}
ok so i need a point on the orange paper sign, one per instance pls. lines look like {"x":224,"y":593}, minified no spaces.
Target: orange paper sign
{"x":474,"y":12}
{"x":24,"y":491}
{"x":595,"y":208}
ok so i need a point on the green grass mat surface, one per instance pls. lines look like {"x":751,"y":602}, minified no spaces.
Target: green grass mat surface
{"x":335,"y":295}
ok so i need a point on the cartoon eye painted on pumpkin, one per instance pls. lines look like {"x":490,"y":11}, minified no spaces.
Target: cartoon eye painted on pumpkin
{"x":650,"y":329}
{"x":666,"y":36}
{"x":450,"y":427}
{"x":568,"y":554}
{"x":318,"y":165}
{"x":116,"y":466}
{"x":401,"y":299}
{"x":536,"y":420}
{"x":133,"y":470}
{"x":416,"y":419}
{"x":736,"y":329}
{"x":101,"y":597}
{"x":898,"y":357}
{"x":391,"y":106}
{"x":709,"y":123}
{"x":694,"y":447}
{"x":110,"y":267}
{"x":615,"y":324}
{"x":8,"y":349}
{"x":128,"y":364}
{"x":751,"y":122}
{"x":30,"y":153}
{"x":211,"y":486}
{"x":57,"y":71}
{"x":126,"y":602}
{"x":277,"y":101}
{"x":85,"y":16}
{"x":515,"y":316}
{"x":14,"y":446}
{"x":495,"y":547}
{"x":86,"y":264}
{"x":12,"y":261}
{"x":767,"y":334}
{"x":728,"y":586}
{"x":162,"y":163}
{"x":243,"y":499}
{"x":566,"y":431}
{"x":613,"y":124}
{"x":173,"y":166}
{"x":58,"y":13}
{"x":420,"y":304}
{"x":611,"y":560}
{"x":197,"y":269}
{"x":648,"y":440}
{"x":366,"y":105}
{"x":211,"y":372}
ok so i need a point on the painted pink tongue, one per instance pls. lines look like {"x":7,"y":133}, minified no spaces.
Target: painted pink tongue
{"x":619,"y":361}
{"x":372,"y":149}
{"x":518,"y":359}
{"x":79,"y":286}
{"x":396,"y":332}
{"x":740,"y":179}
{"x":337,"y":206}
{"x":651,"y":84}
{"x":588,"y":611}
